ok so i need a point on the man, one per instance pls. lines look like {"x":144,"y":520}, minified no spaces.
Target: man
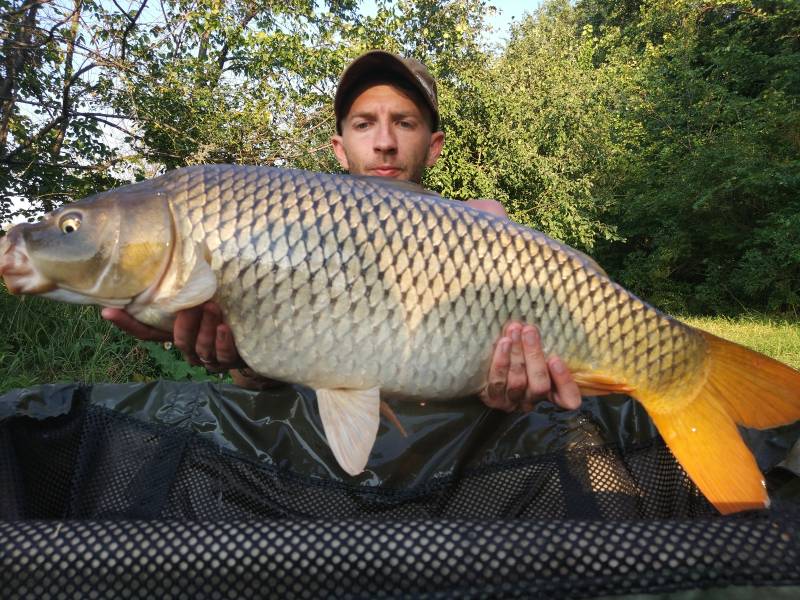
{"x":387,"y":125}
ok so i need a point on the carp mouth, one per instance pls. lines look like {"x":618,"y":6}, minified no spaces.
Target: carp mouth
{"x":16,"y":270}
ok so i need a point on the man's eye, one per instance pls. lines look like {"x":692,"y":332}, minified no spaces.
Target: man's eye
{"x":361,"y":125}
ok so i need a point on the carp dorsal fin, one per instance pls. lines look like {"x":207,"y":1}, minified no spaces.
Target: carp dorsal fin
{"x":406,"y":186}
{"x":350,"y":419}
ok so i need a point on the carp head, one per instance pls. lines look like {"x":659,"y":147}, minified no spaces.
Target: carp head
{"x":106,"y":249}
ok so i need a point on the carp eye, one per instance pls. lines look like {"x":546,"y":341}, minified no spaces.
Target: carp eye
{"x":70,"y":223}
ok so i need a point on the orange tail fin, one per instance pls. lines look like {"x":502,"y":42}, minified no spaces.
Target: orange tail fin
{"x":741,"y":387}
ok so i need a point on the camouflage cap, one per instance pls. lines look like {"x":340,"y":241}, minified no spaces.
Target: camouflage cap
{"x":379,"y":64}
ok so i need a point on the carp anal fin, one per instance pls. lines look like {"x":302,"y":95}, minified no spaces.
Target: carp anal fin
{"x":350,"y":419}
{"x":386,"y":411}
{"x":598,"y":384}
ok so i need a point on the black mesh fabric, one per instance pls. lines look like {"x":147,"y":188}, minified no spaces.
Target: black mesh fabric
{"x":179,"y":490}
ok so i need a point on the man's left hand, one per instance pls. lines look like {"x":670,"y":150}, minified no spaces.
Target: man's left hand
{"x":520,"y":373}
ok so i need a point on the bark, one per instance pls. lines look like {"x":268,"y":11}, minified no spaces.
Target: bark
{"x":17,"y":48}
{"x":69,"y":78}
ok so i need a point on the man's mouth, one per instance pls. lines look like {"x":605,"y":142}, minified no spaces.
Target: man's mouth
{"x":386,"y":171}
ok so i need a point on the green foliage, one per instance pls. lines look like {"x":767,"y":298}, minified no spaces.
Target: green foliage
{"x":538,"y":130}
{"x":47,"y":342}
{"x":171,"y":365}
{"x":708,"y":205}
{"x":52,"y":142}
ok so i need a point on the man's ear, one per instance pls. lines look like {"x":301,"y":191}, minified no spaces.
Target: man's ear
{"x":435,"y":148}
{"x":338,"y":150}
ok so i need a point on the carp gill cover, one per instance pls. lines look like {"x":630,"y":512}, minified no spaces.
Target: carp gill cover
{"x":361,"y":288}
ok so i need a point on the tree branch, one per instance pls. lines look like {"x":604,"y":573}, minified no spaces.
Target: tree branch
{"x":14,"y":62}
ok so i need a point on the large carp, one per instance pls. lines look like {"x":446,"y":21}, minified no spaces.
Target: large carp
{"x":358,"y":287}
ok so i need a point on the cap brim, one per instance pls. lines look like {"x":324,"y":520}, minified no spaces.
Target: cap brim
{"x":378,"y":63}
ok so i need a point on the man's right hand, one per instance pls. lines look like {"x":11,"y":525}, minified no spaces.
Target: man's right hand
{"x":199,"y":333}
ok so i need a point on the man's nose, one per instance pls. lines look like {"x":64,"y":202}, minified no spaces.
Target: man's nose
{"x":385,"y":139}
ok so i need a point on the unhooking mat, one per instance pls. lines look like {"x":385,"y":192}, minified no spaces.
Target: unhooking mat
{"x":181,"y":490}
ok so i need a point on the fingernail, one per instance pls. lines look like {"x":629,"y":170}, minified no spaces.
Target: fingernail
{"x":557,"y":366}
{"x":529,"y":337}
{"x":505,"y":346}
{"x":515,"y":336}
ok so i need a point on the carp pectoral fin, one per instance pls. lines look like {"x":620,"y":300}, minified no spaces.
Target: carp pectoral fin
{"x":199,"y":287}
{"x":350,"y":419}
{"x":598,"y":384}
{"x":706,"y":442}
{"x":159,"y":310}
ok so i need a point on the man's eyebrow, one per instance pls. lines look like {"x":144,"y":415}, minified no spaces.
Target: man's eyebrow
{"x":367,"y":114}
{"x":363,"y":114}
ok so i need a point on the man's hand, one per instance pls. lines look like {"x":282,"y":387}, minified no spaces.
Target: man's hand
{"x":198,"y":333}
{"x":489,"y":206}
{"x":520,"y":374}
{"x":203,"y":338}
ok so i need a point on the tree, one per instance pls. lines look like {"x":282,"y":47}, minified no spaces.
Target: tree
{"x":52,"y":145}
{"x":537,"y":128}
{"x":708,"y":206}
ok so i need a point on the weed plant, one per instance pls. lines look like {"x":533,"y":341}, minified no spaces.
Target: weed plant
{"x":42,"y":341}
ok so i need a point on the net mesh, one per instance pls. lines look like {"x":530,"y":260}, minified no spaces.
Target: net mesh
{"x":99,"y":503}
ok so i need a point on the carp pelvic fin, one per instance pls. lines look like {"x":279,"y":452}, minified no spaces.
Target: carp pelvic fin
{"x":350,"y":419}
{"x":741,"y":387}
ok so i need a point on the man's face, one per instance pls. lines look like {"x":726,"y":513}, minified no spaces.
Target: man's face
{"x":386,"y":134}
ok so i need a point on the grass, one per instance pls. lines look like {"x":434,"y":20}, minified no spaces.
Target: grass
{"x":42,"y":341}
{"x":777,"y":338}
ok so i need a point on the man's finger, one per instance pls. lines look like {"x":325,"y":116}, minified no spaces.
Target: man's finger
{"x":185,"y":330}
{"x":535,"y":367}
{"x":517,"y":379}
{"x":206,"y":342}
{"x":494,"y":395}
{"x":227,"y":355}
{"x":565,"y":393}
{"x":137,"y":329}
